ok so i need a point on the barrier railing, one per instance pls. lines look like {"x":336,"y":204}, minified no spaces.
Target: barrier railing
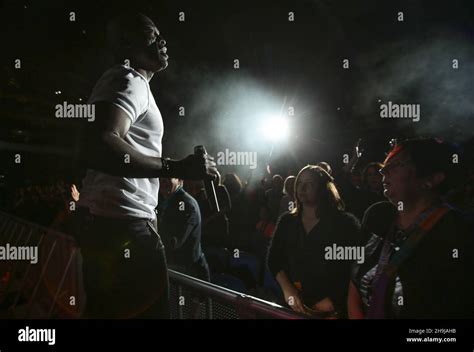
{"x":48,"y":286}
{"x":52,"y":287}
{"x":192,"y":298}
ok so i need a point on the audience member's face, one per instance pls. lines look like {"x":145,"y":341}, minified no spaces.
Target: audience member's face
{"x":399,"y":180}
{"x":306,"y":188}
{"x":168,"y":186}
{"x":374,"y":179}
{"x":150,"y":51}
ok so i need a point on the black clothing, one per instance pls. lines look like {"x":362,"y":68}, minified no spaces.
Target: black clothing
{"x":179,"y":222}
{"x":215,"y":226}
{"x":240,"y":229}
{"x":432,"y":282}
{"x":357,"y":200}
{"x":273,"y":199}
{"x":124,"y":267}
{"x":303,"y":256}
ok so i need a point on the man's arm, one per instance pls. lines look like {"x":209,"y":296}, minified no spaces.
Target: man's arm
{"x":186,"y":225}
{"x":103,"y":148}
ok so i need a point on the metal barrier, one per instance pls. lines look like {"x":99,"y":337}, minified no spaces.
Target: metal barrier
{"x":49,"y":288}
{"x":52,"y":288}
{"x":192,"y":298}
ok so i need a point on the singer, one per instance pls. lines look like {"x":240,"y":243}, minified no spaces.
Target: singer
{"x":124,"y":265}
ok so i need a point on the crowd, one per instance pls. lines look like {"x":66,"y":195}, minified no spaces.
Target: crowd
{"x":43,"y":203}
{"x":410,"y":213}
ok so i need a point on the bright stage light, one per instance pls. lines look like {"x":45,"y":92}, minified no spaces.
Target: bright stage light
{"x":275,"y":128}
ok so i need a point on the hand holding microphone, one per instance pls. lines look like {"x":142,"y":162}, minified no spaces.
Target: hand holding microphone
{"x":197,"y":166}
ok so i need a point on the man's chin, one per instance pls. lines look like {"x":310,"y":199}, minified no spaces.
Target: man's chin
{"x":163,"y":64}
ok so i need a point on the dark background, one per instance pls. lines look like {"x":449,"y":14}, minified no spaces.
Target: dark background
{"x":282,"y":64}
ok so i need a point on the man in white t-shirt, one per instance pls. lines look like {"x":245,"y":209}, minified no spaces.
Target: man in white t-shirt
{"x":124,"y":266}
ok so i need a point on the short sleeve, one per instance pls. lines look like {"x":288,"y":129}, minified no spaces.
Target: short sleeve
{"x":125,"y":89}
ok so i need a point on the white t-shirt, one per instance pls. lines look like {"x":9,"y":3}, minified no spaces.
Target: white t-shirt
{"x":122,"y":197}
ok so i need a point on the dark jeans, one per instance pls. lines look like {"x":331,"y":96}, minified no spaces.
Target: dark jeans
{"x":200,"y":269}
{"x":124,"y":267}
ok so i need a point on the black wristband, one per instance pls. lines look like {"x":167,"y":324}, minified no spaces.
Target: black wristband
{"x":171,"y":168}
{"x":165,"y":165}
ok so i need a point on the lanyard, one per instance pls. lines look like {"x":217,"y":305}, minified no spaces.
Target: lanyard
{"x":387,"y":267}
{"x":386,"y":250}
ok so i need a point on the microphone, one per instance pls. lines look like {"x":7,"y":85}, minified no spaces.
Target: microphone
{"x":208,"y":183}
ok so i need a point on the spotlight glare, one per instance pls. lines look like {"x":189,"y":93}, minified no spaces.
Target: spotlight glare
{"x":275,"y":128}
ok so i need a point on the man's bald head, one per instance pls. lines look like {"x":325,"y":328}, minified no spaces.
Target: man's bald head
{"x":134,"y":37}
{"x":127,"y":31}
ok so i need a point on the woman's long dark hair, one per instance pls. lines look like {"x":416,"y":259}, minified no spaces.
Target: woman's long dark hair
{"x":327,"y":197}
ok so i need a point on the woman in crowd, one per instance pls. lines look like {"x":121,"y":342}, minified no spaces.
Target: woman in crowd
{"x":360,"y":186}
{"x":371,"y":190}
{"x":312,"y":280}
{"x":419,"y":260}
{"x":372,"y":179}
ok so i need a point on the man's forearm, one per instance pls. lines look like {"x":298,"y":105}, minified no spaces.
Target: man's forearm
{"x":112,"y":155}
{"x":184,"y":231}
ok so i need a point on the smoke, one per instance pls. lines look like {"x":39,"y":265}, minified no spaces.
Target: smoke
{"x":420,"y":71}
{"x":224,"y":110}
